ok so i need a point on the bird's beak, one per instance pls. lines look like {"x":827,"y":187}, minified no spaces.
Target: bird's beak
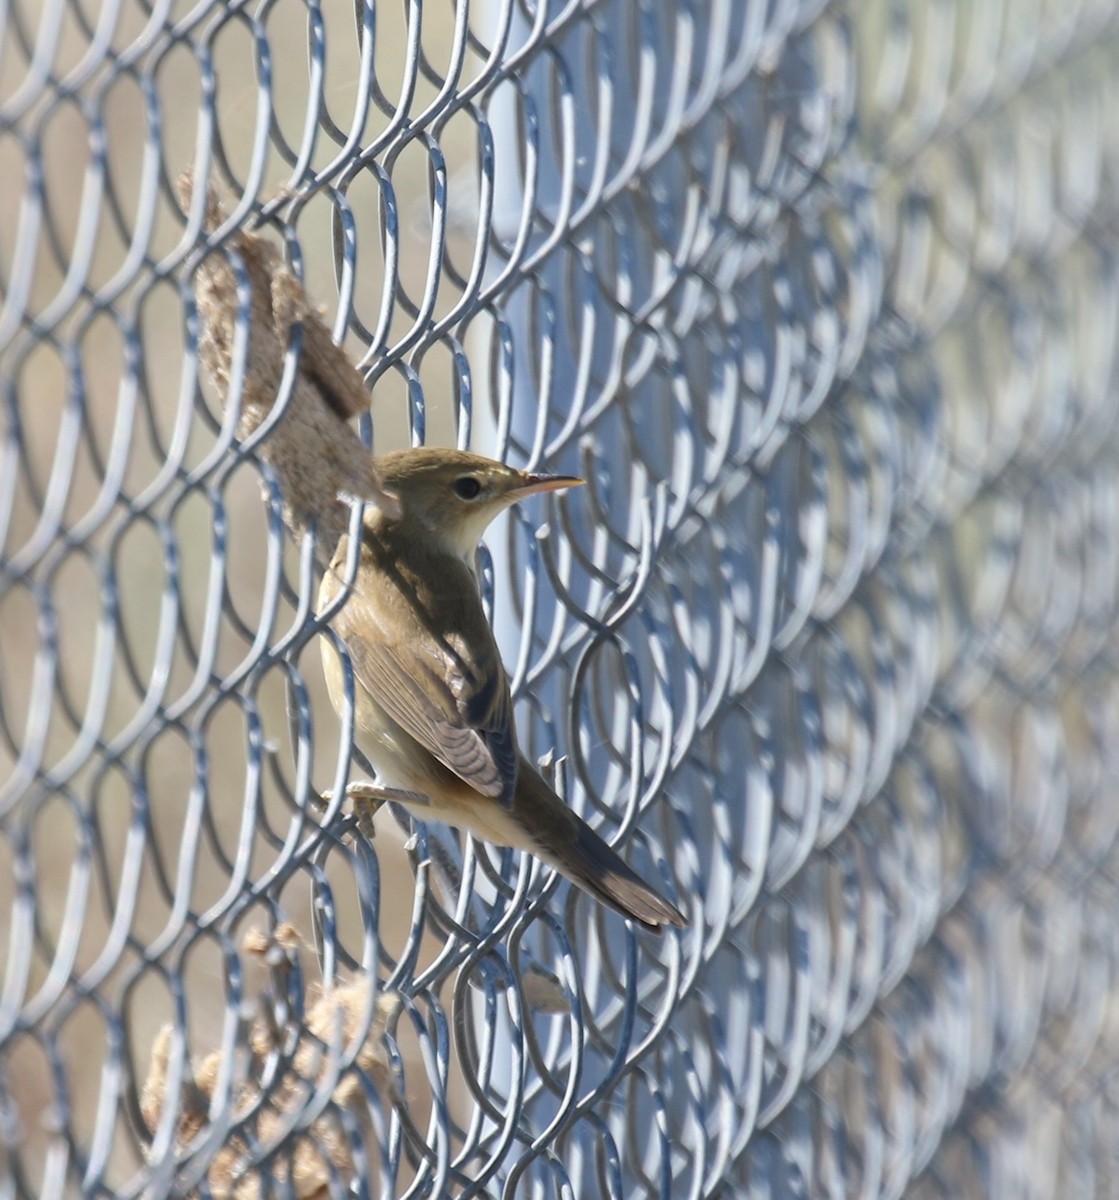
{"x":531,"y":484}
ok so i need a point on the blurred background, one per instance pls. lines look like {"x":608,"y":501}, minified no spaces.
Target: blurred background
{"x":821,"y":299}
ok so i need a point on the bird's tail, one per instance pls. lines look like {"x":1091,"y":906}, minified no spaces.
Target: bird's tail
{"x":598,"y":869}
{"x":573,"y":848}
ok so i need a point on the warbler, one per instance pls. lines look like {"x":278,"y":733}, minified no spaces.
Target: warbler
{"x":433,"y":713}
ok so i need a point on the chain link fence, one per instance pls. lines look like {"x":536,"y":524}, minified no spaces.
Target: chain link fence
{"x":822,"y":301}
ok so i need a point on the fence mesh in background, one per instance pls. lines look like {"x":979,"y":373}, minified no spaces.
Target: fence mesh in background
{"x":822,"y":300}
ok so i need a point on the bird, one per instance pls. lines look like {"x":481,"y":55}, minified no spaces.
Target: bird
{"x":433,"y":714}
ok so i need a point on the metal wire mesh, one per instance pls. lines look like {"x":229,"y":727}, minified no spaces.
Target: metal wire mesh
{"x":823,"y":302}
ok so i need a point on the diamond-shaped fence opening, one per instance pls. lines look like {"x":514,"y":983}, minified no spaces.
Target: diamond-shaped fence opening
{"x":822,"y":301}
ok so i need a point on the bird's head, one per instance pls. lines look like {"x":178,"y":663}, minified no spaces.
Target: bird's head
{"x":455,"y":494}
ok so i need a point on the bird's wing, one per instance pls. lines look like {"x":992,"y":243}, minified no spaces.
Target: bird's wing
{"x":451,"y":695}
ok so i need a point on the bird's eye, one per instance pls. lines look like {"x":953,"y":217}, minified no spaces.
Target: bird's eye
{"x":467,"y":487}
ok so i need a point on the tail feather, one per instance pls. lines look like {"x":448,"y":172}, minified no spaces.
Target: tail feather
{"x":556,"y":834}
{"x":593,"y":866}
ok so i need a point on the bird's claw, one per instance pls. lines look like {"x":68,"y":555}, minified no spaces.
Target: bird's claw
{"x":366,"y":798}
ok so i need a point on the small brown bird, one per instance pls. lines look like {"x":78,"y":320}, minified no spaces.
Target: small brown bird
{"x":433,"y":712}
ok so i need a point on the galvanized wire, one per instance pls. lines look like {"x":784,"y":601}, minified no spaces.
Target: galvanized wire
{"x":822,"y":300}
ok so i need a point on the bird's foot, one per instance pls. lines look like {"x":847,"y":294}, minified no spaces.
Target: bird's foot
{"x":366,"y":798}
